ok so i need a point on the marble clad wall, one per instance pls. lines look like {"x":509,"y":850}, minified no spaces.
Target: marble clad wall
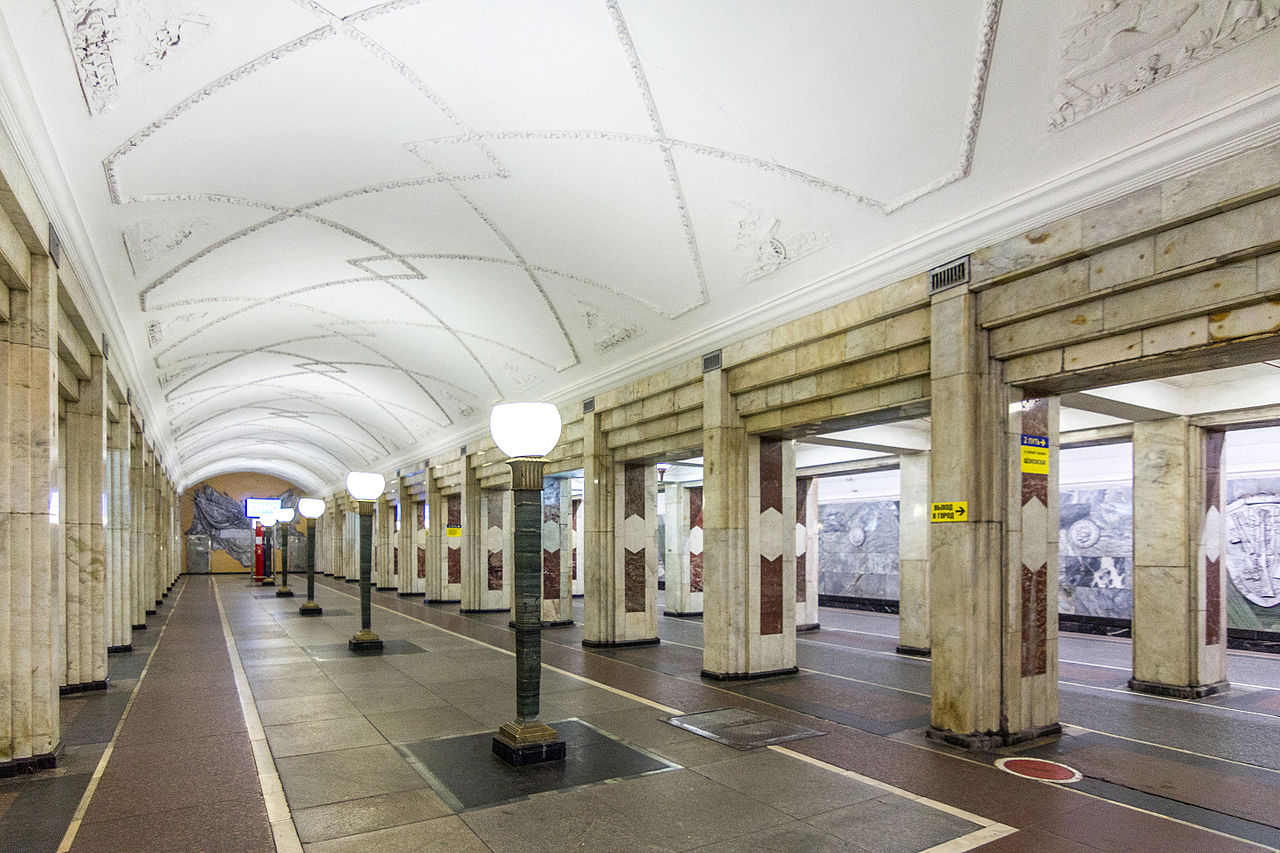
{"x":1095,"y":552}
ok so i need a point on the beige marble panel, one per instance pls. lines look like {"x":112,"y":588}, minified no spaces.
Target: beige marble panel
{"x":1214,"y":184}
{"x":913,"y":551}
{"x":1128,"y":214}
{"x":1225,"y":232}
{"x":1127,"y":262}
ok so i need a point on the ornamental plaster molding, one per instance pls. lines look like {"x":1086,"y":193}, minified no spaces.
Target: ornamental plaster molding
{"x":762,"y":246}
{"x":1111,"y":50}
{"x":113,"y":42}
{"x":606,"y":332}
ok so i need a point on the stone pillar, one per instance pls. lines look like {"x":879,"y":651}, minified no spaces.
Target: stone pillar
{"x":748,"y":529}
{"x":477,"y":583}
{"x":412,"y":577}
{"x":350,"y":564}
{"x":329,"y":551}
{"x":450,"y":550}
{"x":435,"y":539}
{"x":1179,"y":609}
{"x":29,"y":729}
{"x":154,"y":589}
{"x":490,"y":587}
{"x":575,"y":556}
{"x":120,"y":568}
{"x":137,"y":521}
{"x":86,"y":535}
{"x":913,"y":555}
{"x":993,"y":645}
{"x":684,"y":550}
{"x":807,"y":554}
{"x":557,"y":557}
{"x":383,"y":543}
{"x":58,"y":568}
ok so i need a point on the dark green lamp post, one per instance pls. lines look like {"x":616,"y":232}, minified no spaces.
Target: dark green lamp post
{"x":284,"y":516}
{"x":527,"y":432}
{"x":311,"y":509}
{"x":365,"y":488}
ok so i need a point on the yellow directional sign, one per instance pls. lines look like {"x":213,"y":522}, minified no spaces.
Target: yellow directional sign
{"x":453,"y":532}
{"x":1035,"y":454}
{"x":950,"y":511}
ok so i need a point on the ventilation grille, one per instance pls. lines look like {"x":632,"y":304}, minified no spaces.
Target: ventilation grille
{"x":711,"y":361}
{"x":462,"y":451}
{"x":949,"y":275}
{"x":588,"y":405}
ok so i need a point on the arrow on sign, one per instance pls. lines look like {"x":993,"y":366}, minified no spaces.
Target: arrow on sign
{"x":960,"y":512}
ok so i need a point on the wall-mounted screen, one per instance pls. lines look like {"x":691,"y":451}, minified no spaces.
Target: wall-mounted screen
{"x":258,"y":507}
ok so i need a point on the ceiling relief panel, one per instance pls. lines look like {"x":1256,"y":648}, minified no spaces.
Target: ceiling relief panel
{"x":116,"y":42}
{"x":1113,"y":49}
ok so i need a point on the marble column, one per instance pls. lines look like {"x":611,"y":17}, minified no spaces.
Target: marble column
{"x":412,"y":578}
{"x":59,"y":556}
{"x":913,"y":554}
{"x":684,"y":550}
{"x":449,"y":549}
{"x":30,"y":730}
{"x":556,"y":598}
{"x":436,"y":539}
{"x":1179,"y":539}
{"x":86,"y":535}
{"x":120,"y":566}
{"x":152,"y":533}
{"x":350,"y":564}
{"x":575,"y":556}
{"x":993,"y":646}
{"x":329,"y":544}
{"x":748,"y":530}
{"x":137,"y":521}
{"x":489,"y":589}
{"x":383,"y":522}
{"x":807,"y":554}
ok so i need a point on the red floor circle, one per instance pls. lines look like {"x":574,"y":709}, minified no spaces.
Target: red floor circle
{"x":1039,"y":768}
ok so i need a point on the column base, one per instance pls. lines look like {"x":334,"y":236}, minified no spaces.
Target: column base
{"x":807,"y":627}
{"x":365,"y":643}
{"x":986,"y":741}
{"x":82,"y":687}
{"x":617,"y":644}
{"x":165,"y":594}
{"x":351,"y":580}
{"x":407,"y":594}
{"x":914,"y":651}
{"x":1177,"y":691}
{"x":119,"y":650}
{"x":310,"y":608}
{"x":521,"y":744}
{"x":34,"y":764}
{"x":141,"y":627}
{"x":684,"y":614}
{"x":284,"y":592}
{"x":150,"y":612}
{"x":441,"y":601}
{"x":748,"y":676}
{"x":484,"y":610}
{"x":385,"y":588}
{"x":268,"y":582}
{"x":561,"y":623}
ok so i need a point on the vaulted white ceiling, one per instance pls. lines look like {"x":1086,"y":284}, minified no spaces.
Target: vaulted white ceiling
{"x":331,"y":233}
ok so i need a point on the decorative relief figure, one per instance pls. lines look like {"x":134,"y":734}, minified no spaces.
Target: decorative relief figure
{"x":113,"y":41}
{"x":146,"y":242}
{"x":762,"y":247}
{"x":1112,"y":49}
{"x":606,"y":332}
{"x":1253,"y":547}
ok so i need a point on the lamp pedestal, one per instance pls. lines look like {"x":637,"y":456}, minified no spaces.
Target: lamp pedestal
{"x":309,"y":607}
{"x":526,"y":740}
{"x":365,"y":641}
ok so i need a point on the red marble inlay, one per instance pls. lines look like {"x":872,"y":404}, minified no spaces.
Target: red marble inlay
{"x":1212,"y":602}
{"x":573,"y":525}
{"x":421,"y":509}
{"x":1035,"y":625}
{"x":1037,"y":768}
{"x":770,"y":596}
{"x":770,"y":475}
{"x":551,"y":574}
{"x":493,"y":512}
{"x":422,"y":562}
{"x":633,"y":490}
{"x":1213,"y":443}
{"x":453,"y":509}
{"x":695,"y":522}
{"x":395,"y":561}
{"x":802,"y":520}
{"x":633,"y":571}
{"x":455,"y":565}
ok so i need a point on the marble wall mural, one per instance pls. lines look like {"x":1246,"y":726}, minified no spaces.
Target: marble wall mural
{"x":858,"y":549}
{"x":1095,"y":552}
{"x":222,"y":518}
{"x":1253,"y":553}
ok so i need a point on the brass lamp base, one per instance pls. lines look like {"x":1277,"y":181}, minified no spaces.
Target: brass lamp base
{"x":310,"y":608}
{"x":284,"y":592}
{"x":366,"y":642}
{"x":522,"y":743}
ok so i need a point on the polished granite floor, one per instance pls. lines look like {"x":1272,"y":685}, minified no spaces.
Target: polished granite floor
{"x":253,"y":729}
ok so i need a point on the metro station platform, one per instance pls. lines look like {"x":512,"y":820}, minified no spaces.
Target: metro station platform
{"x":237,"y":725}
